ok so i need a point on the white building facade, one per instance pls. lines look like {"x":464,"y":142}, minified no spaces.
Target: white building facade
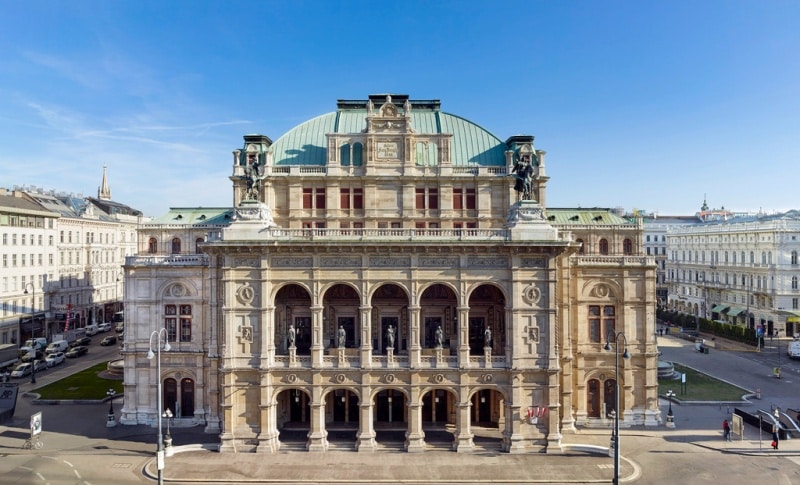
{"x":742,"y":270}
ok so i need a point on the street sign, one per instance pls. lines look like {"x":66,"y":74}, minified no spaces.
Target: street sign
{"x":36,"y":424}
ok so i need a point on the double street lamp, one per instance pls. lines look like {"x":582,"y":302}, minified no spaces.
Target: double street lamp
{"x":150,"y":354}
{"x":615,"y":438}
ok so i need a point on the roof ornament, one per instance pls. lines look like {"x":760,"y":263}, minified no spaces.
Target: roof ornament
{"x":525,"y":172}
{"x":388,"y":108}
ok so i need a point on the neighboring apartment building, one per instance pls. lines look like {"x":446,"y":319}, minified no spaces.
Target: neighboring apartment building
{"x":742,"y":269}
{"x":383,"y":267}
{"x":27,"y":252}
{"x":66,"y":250}
{"x":655,"y":244}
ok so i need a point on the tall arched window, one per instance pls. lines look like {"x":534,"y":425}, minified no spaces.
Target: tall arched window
{"x":794,"y":257}
{"x":197,"y":243}
{"x":152,"y":245}
{"x":794,"y":282}
{"x":581,"y":249}
{"x":344,"y":155}
{"x":627,"y":247}
{"x":176,"y":245}
{"x":358,"y":154}
{"x":603,"y":246}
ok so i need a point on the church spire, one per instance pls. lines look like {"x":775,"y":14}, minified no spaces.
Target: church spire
{"x":103,"y":192}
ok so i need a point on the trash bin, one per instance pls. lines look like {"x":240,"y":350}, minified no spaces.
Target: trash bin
{"x":705,"y":350}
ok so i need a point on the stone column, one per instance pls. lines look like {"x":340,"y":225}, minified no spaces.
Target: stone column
{"x":268,"y":439}
{"x":463,"y":337}
{"x":317,"y":349}
{"x":317,"y":436}
{"x":415,"y":437}
{"x":415,"y":350}
{"x":268,"y":337}
{"x":553,"y":408}
{"x":513,"y":439}
{"x":365,"y":439}
{"x":463,"y":439}
{"x":366,"y":337}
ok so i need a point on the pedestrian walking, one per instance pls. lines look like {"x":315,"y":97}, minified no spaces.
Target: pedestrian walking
{"x":775,"y":437}
{"x":726,"y":430}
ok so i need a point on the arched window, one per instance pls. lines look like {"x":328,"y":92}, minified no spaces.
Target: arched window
{"x":794,"y":282}
{"x":743,"y":261}
{"x":603,"y":246}
{"x":344,"y":155}
{"x":752,"y":257}
{"x":794,"y":257}
{"x":358,"y":154}
{"x":733,"y":256}
{"x":627,"y":247}
{"x":152,"y":245}
{"x":581,"y":249}
{"x":197,"y":243}
{"x":176,"y":246}
{"x":763,"y":257}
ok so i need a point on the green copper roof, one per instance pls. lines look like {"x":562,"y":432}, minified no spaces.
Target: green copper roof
{"x":195,"y":216}
{"x":598,"y":217}
{"x":472,"y":145}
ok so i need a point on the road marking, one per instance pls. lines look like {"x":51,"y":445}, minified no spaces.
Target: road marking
{"x":121,"y":465}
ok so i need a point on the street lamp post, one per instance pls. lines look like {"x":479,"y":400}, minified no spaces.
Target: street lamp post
{"x":670,"y":417}
{"x":33,"y":304}
{"x":150,"y":355}
{"x":33,"y":317}
{"x":116,"y":292}
{"x":625,"y":355}
{"x":111,"y":422}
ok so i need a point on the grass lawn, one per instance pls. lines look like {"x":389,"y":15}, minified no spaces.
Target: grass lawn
{"x":82,"y":385}
{"x":700,"y":387}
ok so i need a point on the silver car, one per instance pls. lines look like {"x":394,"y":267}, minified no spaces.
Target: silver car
{"x":54,"y":359}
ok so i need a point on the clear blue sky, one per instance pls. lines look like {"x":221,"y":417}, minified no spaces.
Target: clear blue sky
{"x":639,"y":104}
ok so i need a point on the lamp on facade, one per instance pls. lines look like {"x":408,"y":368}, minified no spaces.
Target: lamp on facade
{"x":150,"y":355}
{"x":111,"y":422}
{"x":615,"y":437}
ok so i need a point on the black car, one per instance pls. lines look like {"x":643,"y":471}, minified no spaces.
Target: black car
{"x":110,"y":340}
{"x":81,"y":341}
{"x":77,"y":351}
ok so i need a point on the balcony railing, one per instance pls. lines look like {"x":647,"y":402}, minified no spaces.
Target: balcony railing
{"x":376,"y":234}
{"x":168,"y":259}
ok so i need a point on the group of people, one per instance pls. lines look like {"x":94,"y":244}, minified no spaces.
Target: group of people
{"x":726,"y":432}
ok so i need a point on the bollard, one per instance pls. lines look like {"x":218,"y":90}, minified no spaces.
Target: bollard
{"x":758,"y":393}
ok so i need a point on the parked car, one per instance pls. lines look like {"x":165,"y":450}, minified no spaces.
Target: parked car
{"x":24,"y":369}
{"x":120,"y":327}
{"x":77,"y":351}
{"x":21,"y":370}
{"x":54,"y":359}
{"x":110,"y":340}
{"x":104,"y":327}
{"x":81,"y":341}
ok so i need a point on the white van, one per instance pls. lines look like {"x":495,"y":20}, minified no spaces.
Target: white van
{"x":91,"y":330}
{"x":57,"y":346}
{"x":794,"y":349}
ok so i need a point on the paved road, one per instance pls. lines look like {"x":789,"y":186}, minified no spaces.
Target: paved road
{"x":81,"y":450}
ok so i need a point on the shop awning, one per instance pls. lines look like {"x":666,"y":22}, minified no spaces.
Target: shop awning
{"x":735,"y":311}
{"x":719,"y":308}
{"x":793,"y":316}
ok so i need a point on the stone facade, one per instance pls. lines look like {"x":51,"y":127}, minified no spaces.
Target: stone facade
{"x":380,"y":271}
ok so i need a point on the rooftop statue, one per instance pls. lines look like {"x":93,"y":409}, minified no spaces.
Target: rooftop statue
{"x":525,"y":175}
